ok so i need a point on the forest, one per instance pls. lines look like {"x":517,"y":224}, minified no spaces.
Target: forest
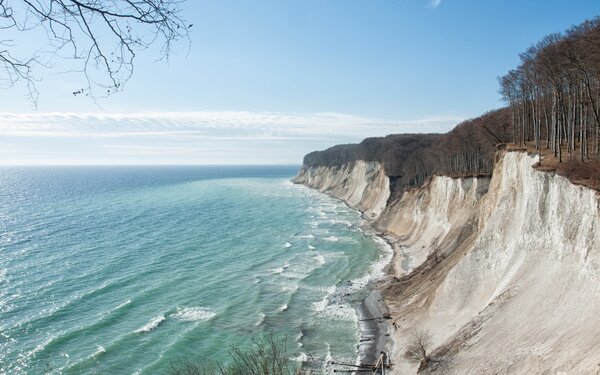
{"x":554,"y":94}
{"x":553,"y":104}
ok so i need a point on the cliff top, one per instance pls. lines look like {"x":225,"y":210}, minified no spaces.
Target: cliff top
{"x":411,"y":159}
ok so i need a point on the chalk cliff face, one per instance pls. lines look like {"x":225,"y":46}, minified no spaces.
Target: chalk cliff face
{"x":503,"y":273}
{"x":524,"y":296}
{"x":432,"y":219}
{"x":362,"y":185}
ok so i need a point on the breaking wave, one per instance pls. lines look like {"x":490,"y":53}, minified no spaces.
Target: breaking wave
{"x":152,"y":325}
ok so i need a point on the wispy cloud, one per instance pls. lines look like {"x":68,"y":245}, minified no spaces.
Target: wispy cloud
{"x":434,"y":3}
{"x":216,"y":125}
{"x":190,"y":137}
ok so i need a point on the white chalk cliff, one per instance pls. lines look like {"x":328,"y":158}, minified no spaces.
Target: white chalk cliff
{"x":503,"y":273}
{"x":362,"y":185}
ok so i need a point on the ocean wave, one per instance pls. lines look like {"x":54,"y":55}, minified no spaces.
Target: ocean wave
{"x":321,"y":305}
{"x":376,"y":271}
{"x":331,"y":239}
{"x":261,"y":319}
{"x":280,"y":270}
{"x":60,"y":308}
{"x":320,"y":259}
{"x":343,"y":222}
{"x":282,"y":308}
{"x":152,"y":324}
{"x":334,"y":305}
{"x":287,"y":245}
{"x":341,"y":312}
{"x":291,"y":288}
{"x":299,"y":337}
{"x":301,"y":358}
{"x":327,"y":364}
{"x":119,"y":307}
{"x":311,"y":247}
{"x":194,"y":314}
{"x":99,"y":351}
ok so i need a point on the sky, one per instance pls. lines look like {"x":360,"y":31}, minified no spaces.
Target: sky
{"x":265,"y":82}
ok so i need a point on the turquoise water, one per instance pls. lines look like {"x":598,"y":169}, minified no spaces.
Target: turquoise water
{"x":122,"y":270}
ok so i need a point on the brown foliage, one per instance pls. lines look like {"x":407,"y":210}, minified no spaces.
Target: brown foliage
{"x":411,"y":159}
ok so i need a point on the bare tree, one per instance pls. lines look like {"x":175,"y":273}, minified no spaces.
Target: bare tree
{"x":99,"y":37}
{"x":267,"y":356}
{"x":558,"y":84}
{"x":418,"y":347}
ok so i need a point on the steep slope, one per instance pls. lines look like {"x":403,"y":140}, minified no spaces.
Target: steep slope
{"x":504,"y":273}
{"x":361,"y":184}
{"x":521,"y":294}
{"x":431,"y":220}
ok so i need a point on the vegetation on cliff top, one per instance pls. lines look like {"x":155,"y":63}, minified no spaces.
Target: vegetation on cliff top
{"x":554,"y":104}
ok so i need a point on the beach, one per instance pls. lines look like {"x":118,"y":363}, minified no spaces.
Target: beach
{"x":374,"y":318}
{"x":374,"y":326}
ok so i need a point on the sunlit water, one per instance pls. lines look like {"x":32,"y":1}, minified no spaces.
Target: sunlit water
{"x":124,"y":270}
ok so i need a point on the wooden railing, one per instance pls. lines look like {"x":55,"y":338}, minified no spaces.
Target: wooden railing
{"x":381,"y":364}
{"x":379,"y":368}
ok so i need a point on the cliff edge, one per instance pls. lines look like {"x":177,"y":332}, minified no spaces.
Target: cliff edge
{"x":501,"y":272}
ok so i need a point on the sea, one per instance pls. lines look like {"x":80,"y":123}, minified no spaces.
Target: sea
{"x":130,"y":270}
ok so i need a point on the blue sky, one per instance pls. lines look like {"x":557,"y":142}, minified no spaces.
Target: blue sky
{"x":265,"y":82}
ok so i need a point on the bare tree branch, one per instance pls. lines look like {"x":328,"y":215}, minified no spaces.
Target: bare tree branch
{"x":101,"y":37}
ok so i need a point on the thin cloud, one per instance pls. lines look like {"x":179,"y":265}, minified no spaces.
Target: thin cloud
{"x":214,"y":125}
{"x":226,"y":137}
{"x":434,"y":3}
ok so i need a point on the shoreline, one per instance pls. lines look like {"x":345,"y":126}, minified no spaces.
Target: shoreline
{"x":373,"y":327}
{"x":375,"y":336}
{"x":374,"y":320}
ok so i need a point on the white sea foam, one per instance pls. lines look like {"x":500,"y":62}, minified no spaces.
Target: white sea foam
{"x":281,"y":269}
{"x":287,"y":245}
{"x":289,"y":288}
{"x":321,"y":305}
{"x":311,"y":247}
{"x":320,"y":259}
{"x":99,"y":351}
{"x":309,"y":236}
{"x":302,"y":357}
{"x":261,"y":319}
{"x":327,"y":363}
{"x":330,"y":307}
{"x":343,"y":222}
{"x":331,"y":239}
{"x":193,"y":314}
{"x":152,"y":325}
{"x":121,"y":306}
{"x":343,"y":312}
{"x":282,"y":307}
{"x":384,"y":259}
